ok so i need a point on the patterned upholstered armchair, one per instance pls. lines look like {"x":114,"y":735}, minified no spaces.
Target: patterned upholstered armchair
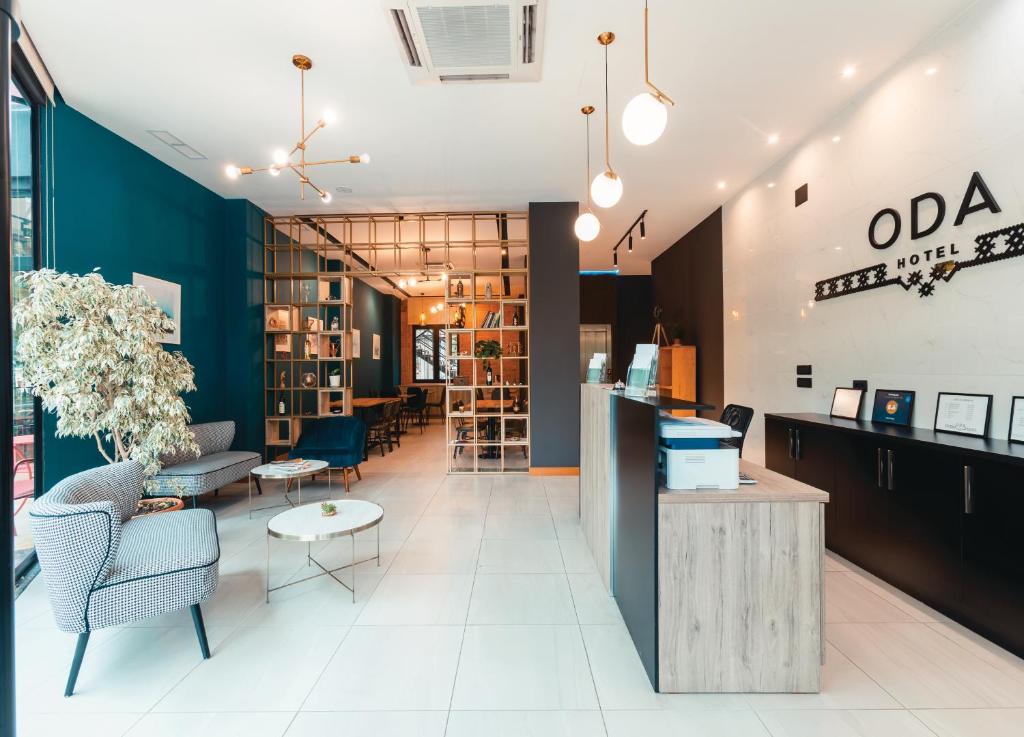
{"x":185,"y":475}
{"x":104,"y":568}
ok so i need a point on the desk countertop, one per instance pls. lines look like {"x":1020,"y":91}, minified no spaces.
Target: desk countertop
{"x":770,"y":487}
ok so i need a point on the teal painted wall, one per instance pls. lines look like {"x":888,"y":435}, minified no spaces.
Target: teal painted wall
{"x":124,"y":211}
{"x":375,"y":312}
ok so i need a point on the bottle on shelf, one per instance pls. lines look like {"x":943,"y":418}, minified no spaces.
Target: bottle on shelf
{"x":490,"y":376}
{"x":280,"y":407}
{"x":487,"y":291}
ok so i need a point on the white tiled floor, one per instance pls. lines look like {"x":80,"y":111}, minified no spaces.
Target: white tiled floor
{"x":485,"y":617}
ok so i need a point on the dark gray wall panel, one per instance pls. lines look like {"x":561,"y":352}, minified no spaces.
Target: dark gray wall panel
{"x":554,"y":335}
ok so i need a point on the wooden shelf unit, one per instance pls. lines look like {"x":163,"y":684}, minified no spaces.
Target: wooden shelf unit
{"x":492,"y":432}
{"x":307,"y":325}
{"x":677,"y":375}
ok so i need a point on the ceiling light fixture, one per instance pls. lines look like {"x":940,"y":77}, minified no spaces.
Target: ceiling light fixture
{"x":836,"y":139}
{"x":849,"y":70}
{"x":646,"y":115}
{"x":773,"y":139}
{"x":628,"y":237}
{"x":587,"y":225}
{"x":606,"y":188}
{"x":721,"y":185}
{"x":282,"y":159}
{"x":930,"y":71}
{"x":771,"y":185}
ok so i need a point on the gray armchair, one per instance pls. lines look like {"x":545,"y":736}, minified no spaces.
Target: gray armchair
{"x":104,"y":568}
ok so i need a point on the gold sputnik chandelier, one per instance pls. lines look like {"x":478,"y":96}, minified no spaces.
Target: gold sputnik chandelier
{"x":283,"y":159}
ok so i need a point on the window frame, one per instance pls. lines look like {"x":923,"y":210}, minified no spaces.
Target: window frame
{"x":438,"y":363}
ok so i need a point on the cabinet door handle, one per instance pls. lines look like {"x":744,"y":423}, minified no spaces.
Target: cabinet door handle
{"x":792,"y":453}
{"x":891,"y":470}
{"x":881,"y":464}
{"x":968,"y":490}
{"x":797,"y":454}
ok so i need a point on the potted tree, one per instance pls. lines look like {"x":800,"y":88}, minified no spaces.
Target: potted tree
{"x":90,"y":351}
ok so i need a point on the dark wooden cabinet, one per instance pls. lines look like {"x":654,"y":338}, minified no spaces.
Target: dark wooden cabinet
{"x":924,"y":508}
{"x":993,"y":552}
{"x":939,"y":516}
{"x":778,"y":447}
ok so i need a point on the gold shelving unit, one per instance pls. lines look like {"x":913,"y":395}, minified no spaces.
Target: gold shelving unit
{"x":487,"y":425}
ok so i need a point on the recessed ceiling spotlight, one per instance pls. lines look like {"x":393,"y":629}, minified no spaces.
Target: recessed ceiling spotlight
{"x":771,"y":185}
{"x":848,"y":71}
{"x":930,"y":71}
{"x":773,"y":139}
{"x":836,"y":139}
{"x":839,"y":248}
{"x":721,"y":185}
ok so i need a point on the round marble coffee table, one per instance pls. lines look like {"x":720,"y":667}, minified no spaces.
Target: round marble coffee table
{"x":308,"y":524}
{"x":286,"y":472}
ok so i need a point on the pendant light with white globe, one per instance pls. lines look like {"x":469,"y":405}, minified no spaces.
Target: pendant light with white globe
{"x":606,"y":188}
{"x":646,"y":115}
{"x":587,"y":225}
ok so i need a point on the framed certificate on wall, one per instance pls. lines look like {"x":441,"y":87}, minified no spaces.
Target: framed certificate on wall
{"x":1016,"y":420}
{"x":963,"y":414}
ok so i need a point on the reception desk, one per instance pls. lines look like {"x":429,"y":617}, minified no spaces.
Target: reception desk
{"x":721,"y":591}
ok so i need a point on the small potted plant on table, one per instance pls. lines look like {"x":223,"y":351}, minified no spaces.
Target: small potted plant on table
{"x":328,"y":509}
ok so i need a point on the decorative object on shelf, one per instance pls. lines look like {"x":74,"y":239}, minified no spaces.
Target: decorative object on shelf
{"x":606,"y":189}
{"x":645,"y":116}
{"x":280,"y":407}
{"x":376,"y":347}
{"x":167,"y":296}
{"x":335,"y":378}
{"x":846,"y":403}
{"x":459,"y":289}
{"x":659,"y":336}
{"x":488,"y":349}
{"x":488,"y":294}
{"x":272,"y":322}
{"x":893,"y":407}
{"x":283,"y":159}
{"x":1016,"y":434}
{"x":587,"y":226}
{"x":126,"y":388}
{"x":335,"y":323}
{"x":307,"y":348}
{"x":515,"y":317}
{"x":963,"y":414}
{"x":328,"y":509}
{"x":309,"y":380}
{"x":515,"y":407}
{"x":307,"y":291}
{"x":281,"y":381}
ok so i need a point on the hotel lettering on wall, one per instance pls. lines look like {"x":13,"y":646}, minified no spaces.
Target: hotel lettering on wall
{"x":926,"y":269}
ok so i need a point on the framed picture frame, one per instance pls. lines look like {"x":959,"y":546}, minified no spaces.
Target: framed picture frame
{"x":1016,"y":432}
{"x":167,"y":296}
{"x":893,"y":407}
{"x":846,"y":403}
{"x":355,"y":343}
{"x":963,"y":414}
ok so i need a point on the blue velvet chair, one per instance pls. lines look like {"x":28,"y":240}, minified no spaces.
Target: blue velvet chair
{"x":338,"y":440}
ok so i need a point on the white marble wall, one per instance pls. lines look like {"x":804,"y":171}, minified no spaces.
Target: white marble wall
{"x":908,"y":134}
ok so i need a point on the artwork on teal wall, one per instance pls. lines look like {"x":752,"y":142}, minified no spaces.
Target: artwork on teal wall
{"x":167,"y":296}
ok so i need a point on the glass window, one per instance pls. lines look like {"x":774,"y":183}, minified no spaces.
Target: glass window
{"x":429,"y":354}
{"x":22,"y":259}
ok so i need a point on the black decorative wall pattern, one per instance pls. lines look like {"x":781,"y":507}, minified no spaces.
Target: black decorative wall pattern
{"x":996,"y":245}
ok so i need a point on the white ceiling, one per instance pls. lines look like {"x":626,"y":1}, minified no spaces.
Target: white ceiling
{"x":218,"y":74}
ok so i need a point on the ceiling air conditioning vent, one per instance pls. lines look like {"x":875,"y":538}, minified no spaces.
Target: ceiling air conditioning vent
{"x":405,"y":36}
{"x":444,"y":41}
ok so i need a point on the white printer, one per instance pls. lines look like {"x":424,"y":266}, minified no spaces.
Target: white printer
{"x":691,"y":454}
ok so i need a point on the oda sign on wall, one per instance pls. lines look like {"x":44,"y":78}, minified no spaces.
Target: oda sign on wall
{"x":924,"y":270}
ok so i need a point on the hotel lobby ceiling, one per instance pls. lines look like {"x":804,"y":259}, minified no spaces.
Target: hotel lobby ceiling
{"x":213,"y":72}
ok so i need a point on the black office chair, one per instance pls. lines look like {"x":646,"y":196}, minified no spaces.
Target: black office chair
{"x":738,"y":418}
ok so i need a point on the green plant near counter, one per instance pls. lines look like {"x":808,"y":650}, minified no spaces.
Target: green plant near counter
{"x":488,"y":349}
